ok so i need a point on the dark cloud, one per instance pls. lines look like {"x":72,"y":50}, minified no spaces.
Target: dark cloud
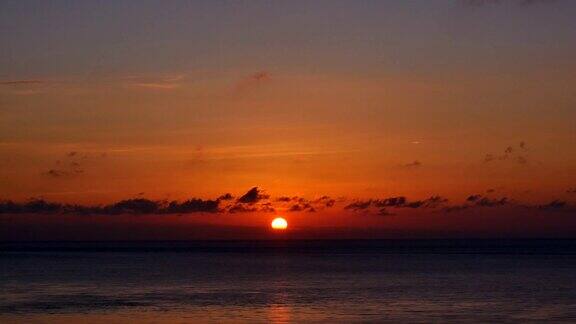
{"x":326,"y":201}
{"x":521,"y":160}
{"x":456,"y":208}
{"x":240,"y":208}
{"x":473,"y":198}
{"x":397,"y":202}
{"x":571,"y":190}
{"x":385,"y":212}
{"x":487,"y":202}
{"x":414,"y":164}
{"x":252,"y":196}
{"x":127,"y":206}
{"x":260,"y":76}
{"x":193,"y":206}
{"x":267,"y":208}
{"x":301,"y":207}
{"x":489,"y":158}
{"x":296,"y":203}
{"x":72,"y":164}
{"x":226,"y":196}
{"x":133,"y":206}
{"x":295,"y":208}
{"x":480,"y":200}
{"x":390,"y":202}
{"x":253,"y":81}
{"x":248,"y":208}
{"x":56,"y":173}
{"x":509,"y":153}
{"x":434,"y":201}
{"x":554,"y":205}
{"x":359,"y":205}
{"x":254,"y":201}
{"x":522,"y":146}
{"x":33,"y":206}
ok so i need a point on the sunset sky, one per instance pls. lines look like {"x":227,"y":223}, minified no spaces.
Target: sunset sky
{"x":445,"y":118}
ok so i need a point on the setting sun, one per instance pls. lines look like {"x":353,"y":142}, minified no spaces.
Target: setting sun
{"x":279,"y":223}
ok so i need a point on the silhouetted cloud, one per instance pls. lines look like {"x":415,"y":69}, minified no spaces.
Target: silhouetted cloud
{"x":252,"y":196}
{"x":413,"y":164}
{"x":521,"y":160}
{"x":385,"y":212}
{"x":487,"y":202}
{"x":226,"y":196}
{"x":297,"y":204}
{"x":127,"y":206}
{"x":326,"y":201}
{"x":253,"y":80}
{"x":396,"y":202}
{"x":253,"y":201}
{"x":239,"y":208}
{"x":248,"y":208}
{"x":522,"y":146}
{"x":301,"y":207}
{"x":192,"y":206}
{"x":359,"y":205}
{"x":260,"y":76}
{"x":554,"y":205}
{"x":58,"y":173}
{"x":571,"y":190}
{"x":133,"y":206}
{"x":515,"y":154}
{"x":71,"y":165}
{"x":480,"y":200}
{"x":34,"y":206}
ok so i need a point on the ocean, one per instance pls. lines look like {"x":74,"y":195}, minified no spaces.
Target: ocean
{"x":380,"y":281}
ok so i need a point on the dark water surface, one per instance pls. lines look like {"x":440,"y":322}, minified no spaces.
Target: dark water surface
{"x":289,"y":281}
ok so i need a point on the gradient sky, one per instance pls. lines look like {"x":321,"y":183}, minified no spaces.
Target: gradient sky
{"x":102,"y":101}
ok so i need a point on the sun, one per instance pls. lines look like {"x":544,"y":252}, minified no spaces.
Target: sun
{"x":279,"y":223}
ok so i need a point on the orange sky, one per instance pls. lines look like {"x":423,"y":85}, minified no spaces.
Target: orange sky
{"x":101,"y":103}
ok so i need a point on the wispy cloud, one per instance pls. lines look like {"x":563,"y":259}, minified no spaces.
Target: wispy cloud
{"x":515,"y":154}
{"x":495,"y":2}
{"x":21,"y":82}
{"x":72,"y":164}
{"x":253,"y":80}
{"x":413,"y":164}
{"x":26,"y":86}
{"x":155,"y":82}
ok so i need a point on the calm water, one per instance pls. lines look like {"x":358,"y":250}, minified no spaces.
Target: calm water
{"x":298,"y":281}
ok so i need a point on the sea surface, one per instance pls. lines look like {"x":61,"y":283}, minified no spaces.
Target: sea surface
{"x":381,"y":281}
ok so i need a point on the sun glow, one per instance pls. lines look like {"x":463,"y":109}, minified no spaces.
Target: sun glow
{"x":279,"y":224}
